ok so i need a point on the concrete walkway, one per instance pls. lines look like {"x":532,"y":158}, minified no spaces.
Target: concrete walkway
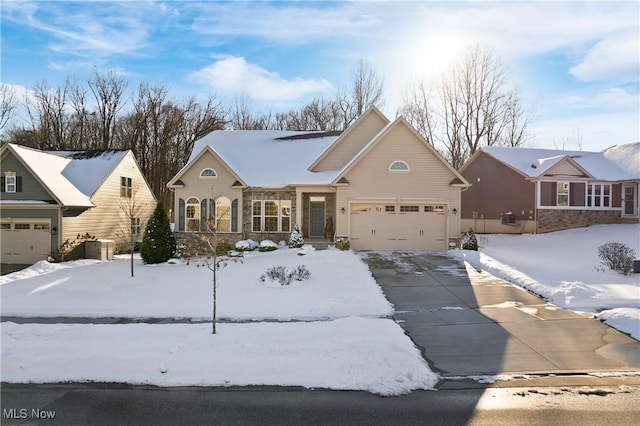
{"x":470,"y":323}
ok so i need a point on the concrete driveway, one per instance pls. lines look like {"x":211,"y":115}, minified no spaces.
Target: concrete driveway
{"x":470,"y":323}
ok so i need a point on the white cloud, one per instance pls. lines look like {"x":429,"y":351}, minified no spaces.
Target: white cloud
{"x":234,"y":75}
{"x":283,"y":22}
{"x":614,"y":58}
{"x":614,"y":99}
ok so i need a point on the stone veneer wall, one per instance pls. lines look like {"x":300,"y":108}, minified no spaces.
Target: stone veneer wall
{"x":555,"y":220}
{"x":247,"y":214}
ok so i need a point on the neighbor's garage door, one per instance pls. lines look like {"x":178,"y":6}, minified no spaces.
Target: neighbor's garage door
{"x":376,"y":226}
{"x":25,"y":242}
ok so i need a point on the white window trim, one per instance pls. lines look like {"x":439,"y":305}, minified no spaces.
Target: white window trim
{"x":10,"y":183}
{"x":602,"y":196}
{"x":280,"y":206}
{"x":392,"y":170}
{"x":215,"y":174}
{"x":539,"y":206}
{"x":127,"y":188}
{"x":197,"y":216}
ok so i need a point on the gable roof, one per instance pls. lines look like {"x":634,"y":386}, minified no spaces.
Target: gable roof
{"x":617,"y":163}
{"x":458,"y":180}
{"x":87,"y":170}
{"x":71,"y":177}
{"x":47,"y":169}
{"x":359,"y":121}
{"x":266,"y":158}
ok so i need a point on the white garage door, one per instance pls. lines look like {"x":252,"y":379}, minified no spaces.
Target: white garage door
{"x":406,"y":226}
{"x":25,"y":242}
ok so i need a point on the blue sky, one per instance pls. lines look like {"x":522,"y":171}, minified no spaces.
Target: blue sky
{"x":576,"y":63}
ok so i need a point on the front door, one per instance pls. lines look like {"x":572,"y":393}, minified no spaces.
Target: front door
{"x":629,"y":200}
{"x":316,"y":221}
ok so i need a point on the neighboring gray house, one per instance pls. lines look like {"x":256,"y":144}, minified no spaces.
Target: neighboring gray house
{"x":518,"y":190}
{"x":49,"y":197}
{"x":379,"y":184}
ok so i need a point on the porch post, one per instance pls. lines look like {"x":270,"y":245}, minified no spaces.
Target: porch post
{"x":299,"y":208}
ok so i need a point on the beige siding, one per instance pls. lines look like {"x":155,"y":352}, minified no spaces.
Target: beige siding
{"x":108,"y":220}
{"x":427,"y":180}
{"x":195,"y":186}
{"x":352,"y":142}
{"x":563,"y":168}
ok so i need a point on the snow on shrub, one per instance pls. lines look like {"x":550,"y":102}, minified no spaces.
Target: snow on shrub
{"x":246,"y":245}
{"x":469,"y":241}
{"x":617,"y":257}
{"x":267,"y":245}
{"x":342,"y":244}
{"x":279,"y":273}
{"x":296,"y":240}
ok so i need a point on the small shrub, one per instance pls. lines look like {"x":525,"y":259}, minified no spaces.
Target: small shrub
{"x":246,"y":245}
{"x":279,"y":273}
{"x":267,"y":245}
{"x":617,"y":257}
{"x":296,"y":240}
{"x":342,"y":244}
{"x":469,"y":241}
{"x":223,"y":247}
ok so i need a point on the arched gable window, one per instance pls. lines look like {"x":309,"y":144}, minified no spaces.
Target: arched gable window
{"x":223,"y":214}
{"x":399,"y":166}
{"x":208,"y":173}
{"x":192,"y":216}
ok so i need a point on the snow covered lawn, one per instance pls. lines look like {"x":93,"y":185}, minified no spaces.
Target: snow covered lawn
{"x":340,"y":286}
{"x":344,"y":345}
{"x":350,"y":353}
{"x":564,"y":268}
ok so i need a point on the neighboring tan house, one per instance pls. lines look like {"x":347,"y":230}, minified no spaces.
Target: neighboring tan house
{"x":378,"y":184}
{"x":518,"y":190}
{"x":49,"y":197}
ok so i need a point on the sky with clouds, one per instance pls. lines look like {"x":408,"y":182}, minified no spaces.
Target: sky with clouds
{"x":576,"y":63}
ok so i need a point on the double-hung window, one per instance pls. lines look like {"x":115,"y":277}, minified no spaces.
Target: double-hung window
{"x":125,"y":187}
{"x":271,"y":216}
{"x":562,"y":195}
{"x":135,"y":226}
{"x":10,"y":183}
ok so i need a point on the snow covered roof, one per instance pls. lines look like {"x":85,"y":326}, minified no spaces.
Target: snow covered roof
{"x":270,"y":158}
{"x":71,"y":177}
{"x":618,"y":163}
{"x":88,"y":169}
{"x":48,"y":169}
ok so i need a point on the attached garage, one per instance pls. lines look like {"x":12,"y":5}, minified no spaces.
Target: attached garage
{"x":398,"y":226}
{"x":25,"y":241}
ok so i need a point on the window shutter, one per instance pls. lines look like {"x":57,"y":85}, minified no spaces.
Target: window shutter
{"x":212,"y":209}
{"x":19,"y":184}
{"x":2,"y":184}
{"x":234,"y":215}
{"x":203,"y":215}
{"x":181,"y":214}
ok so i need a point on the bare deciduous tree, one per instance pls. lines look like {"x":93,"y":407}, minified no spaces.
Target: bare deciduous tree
{"x":134,"y":209}
{"x":206,"y":249}
{"x":8,"y":104}
{"x":108,"y":90}
{"x":474,"y":107}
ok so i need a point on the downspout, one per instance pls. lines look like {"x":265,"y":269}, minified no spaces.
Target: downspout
{"x":535,"y":207}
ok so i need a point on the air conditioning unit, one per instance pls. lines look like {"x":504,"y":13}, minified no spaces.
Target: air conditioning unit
{"x":508,"y":219}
